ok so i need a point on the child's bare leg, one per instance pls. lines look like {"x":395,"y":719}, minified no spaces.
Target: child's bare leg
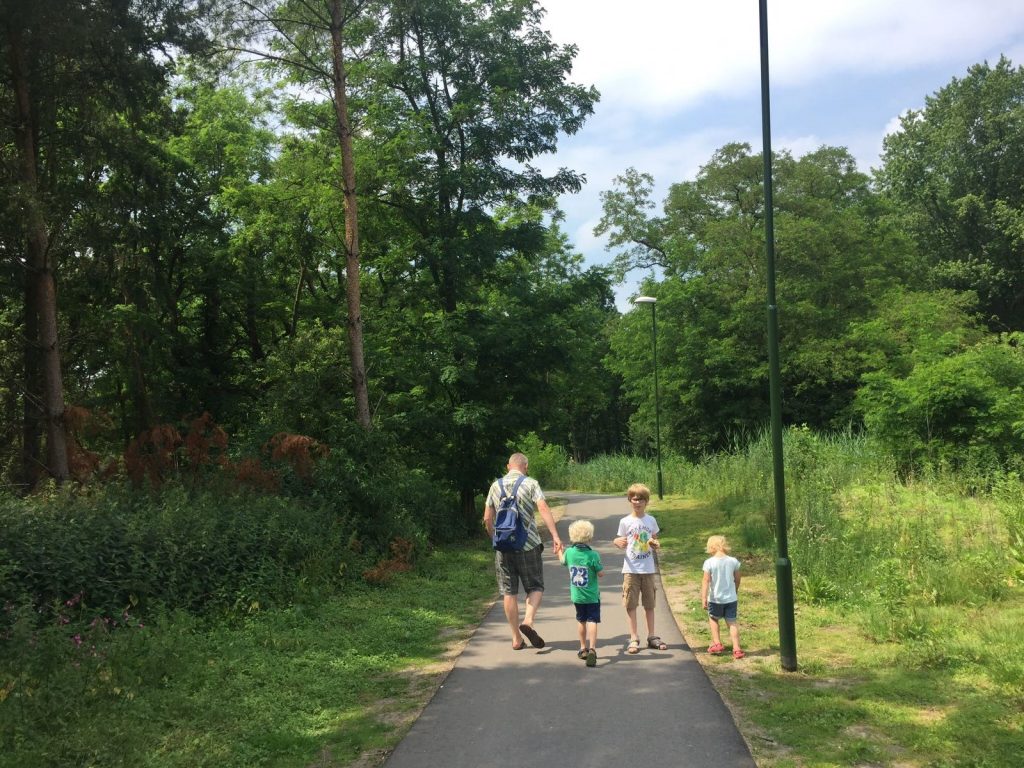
{"x":716,"y":637}
{"x":631,"y":618}
{"x":734,"y":634}
{"x":649,"y":615}
{"x":581,"y":632}
{"x":592,"y":634}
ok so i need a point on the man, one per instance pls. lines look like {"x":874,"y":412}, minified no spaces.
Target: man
{"x":523,"y":566}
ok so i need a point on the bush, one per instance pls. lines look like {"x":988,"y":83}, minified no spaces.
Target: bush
{"x":192,"y":549}
{"x":961,"y":411}
{"x":548,"y":463}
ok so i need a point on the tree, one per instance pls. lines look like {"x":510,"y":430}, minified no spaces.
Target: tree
{"x":311,"y":40}
{"x":64,"y":68}
{"x":472,"y":94}
{"x":836,"y":248}
{"x":955,"y":168}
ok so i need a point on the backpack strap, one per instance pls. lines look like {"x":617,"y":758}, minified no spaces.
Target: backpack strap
{"x":515,"y":487}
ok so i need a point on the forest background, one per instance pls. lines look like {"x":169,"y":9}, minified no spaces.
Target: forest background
{"x":282,"y":286}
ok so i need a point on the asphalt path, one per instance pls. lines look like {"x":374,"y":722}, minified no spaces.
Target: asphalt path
{"x":543,"y":708}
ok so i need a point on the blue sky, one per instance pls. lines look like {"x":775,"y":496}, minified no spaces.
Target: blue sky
{"x":678,"y":79}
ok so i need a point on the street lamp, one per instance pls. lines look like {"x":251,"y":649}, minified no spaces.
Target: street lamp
{"x":783,"y":565}
{"x":657,"y":415}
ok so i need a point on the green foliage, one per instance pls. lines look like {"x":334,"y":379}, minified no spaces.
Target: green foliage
{"x":962,"y":411}
{"x":335,"y":674}
{"x":548,"y":463}
{"x":837,"y":254}
{"x":857,"y":534}
{"x":197,"y":549}
{"x":951,"y":171}
{"x":210,"y":546}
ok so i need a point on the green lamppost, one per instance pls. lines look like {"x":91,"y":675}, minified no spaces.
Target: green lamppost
{"x":783,"y":565}
{"x":657,"y":409}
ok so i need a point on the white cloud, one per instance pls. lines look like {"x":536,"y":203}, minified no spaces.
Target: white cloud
{"x":679,"y":79}
{"x":670,"y":54}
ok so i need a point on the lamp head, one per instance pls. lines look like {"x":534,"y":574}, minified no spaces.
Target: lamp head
{"x":644,"y":300}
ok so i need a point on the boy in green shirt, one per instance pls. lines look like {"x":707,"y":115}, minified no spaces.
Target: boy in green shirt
{"x":585,"y":568}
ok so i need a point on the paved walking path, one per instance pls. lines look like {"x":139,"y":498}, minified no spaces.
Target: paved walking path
{"x":545,"y":709}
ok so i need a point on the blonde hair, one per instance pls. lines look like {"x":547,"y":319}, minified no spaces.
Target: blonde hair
{"x":638,"y":489}
{"x":717,"y":544}
{"x":581,"y":531}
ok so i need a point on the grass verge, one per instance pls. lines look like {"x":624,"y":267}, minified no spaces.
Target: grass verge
{"x":325,"y":683}
{"x":946,"y":690}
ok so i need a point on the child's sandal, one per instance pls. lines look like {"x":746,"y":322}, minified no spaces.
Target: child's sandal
{"x":738,"y":654}
{"x":581,"y":653}
{"x":633,"y":647}
{"x":656,"y":643}
{"x":716,"y":648}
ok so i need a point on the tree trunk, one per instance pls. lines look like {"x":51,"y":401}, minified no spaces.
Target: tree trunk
{"x":32,"y":466}
{"x":39,"y":275}
{"x":348,"y":174}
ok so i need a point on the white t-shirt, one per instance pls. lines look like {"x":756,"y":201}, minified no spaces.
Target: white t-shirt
{"x":723,"y":581}
{"x":638,"y":532}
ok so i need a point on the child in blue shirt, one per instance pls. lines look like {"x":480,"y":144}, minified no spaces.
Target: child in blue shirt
{"x":718,"y":594}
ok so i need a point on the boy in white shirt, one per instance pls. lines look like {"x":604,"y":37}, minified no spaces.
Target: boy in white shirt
{"x":638,"y":535}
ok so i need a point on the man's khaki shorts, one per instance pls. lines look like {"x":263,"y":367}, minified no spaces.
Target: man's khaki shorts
{"x":637,"y":587}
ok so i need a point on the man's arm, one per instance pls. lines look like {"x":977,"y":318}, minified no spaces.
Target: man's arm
{"x":549,"y":521}
{"x":489,"y":518}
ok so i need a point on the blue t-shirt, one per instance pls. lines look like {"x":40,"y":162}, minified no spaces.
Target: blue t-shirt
{"x":723,"y":580}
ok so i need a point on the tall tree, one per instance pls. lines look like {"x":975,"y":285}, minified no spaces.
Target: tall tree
{"x":955,"y":168}
{"x":836,"y":251}
{"x":478,"y":92}
{"x":64,"y":65}
{"x":312,"y":41}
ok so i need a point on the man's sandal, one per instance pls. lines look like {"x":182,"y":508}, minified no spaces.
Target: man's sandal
{"x":656,"y":643}
{"x":531,"y":634}
{"x":633,"y":647}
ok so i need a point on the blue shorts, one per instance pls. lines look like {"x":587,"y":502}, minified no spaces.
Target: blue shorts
{"x":588,"y":612}
{"x":725,"y":611}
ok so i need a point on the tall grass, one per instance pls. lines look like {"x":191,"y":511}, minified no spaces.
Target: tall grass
{"x":858,"y":532}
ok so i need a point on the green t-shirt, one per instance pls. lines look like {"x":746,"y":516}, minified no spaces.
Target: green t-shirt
{"x":583,"y":564}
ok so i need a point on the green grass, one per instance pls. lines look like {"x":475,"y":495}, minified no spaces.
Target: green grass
{"x":947,"y":690}
{"x":902,"y":670}
{"x":322,"y":681}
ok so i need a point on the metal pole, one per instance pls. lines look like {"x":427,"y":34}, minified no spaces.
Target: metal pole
{"x":783,"y":566}
{"x":657,"y":408}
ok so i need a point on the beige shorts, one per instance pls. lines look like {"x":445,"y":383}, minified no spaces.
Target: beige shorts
{"x":637,"y":587}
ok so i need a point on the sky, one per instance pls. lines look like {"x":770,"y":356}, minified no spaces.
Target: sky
{"x":679,"y":79}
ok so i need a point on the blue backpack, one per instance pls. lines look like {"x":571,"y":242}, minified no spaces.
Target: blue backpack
{"x":509,"y":529}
